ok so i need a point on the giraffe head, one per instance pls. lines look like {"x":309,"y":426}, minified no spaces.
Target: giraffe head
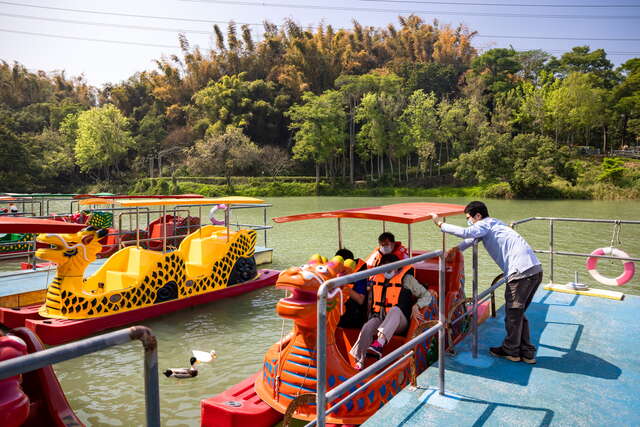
{"x":303,"y":283}
{"x":72,"y":252}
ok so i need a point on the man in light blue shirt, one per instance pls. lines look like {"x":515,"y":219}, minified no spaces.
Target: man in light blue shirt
{"x":519,"y":264}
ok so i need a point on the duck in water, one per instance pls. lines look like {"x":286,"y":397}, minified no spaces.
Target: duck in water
{"x":198,"y":356}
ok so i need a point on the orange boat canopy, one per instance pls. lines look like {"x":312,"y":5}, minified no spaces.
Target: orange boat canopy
{"x":404,"y":213}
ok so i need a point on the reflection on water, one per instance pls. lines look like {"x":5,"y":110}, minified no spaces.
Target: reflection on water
{"x":107,"y":388}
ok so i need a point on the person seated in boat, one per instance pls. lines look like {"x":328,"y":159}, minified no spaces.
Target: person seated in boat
{"x":386,"y":245}
{"x":13,"y":208}
{"x":391,"y":305}
{"x":355,"y":313}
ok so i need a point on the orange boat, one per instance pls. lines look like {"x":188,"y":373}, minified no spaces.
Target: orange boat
{"x":287,"y":382}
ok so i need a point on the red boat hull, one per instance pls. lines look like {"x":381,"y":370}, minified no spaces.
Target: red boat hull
{"x":17,"y":317}
{"x":238,"y":406}
{"x":48,"y":404}
{"x":59,"y":331}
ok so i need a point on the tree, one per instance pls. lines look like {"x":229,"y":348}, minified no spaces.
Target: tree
{"x":102,"y":139}
{"x":575,"y":107}
{"x":498,"y":67}
{"x":353,"y":88}
{"x":234,"y":102}
{"x":320,"y":124}
{"x":274,"y":161}
{"x":380,"y":130}
{"x":227,"y":154}
{"x":581,"y":60}
{"x":420,"y":126}
{"x":528,"y":162}
{"x":626,"y":99}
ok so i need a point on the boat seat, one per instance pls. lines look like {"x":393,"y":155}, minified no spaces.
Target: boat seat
{"x":119,"y":280}
{"x":195,"y":270}
{"x":201,"y":250}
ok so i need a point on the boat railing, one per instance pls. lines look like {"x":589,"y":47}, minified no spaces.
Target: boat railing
{"x":40,"y":359}
{"x":552,"y":252}
{"x":388,"y":362}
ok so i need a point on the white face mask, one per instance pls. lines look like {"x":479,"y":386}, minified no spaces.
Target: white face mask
{"x":389,"y":274}
{"x":386,"y":249}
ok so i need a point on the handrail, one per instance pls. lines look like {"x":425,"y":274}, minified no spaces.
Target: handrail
{"x":551,"y":252}
{"x":549,"y":218}
{"x":40,"y":359}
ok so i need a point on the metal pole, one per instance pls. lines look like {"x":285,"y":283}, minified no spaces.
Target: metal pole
{"x":227,"y":220}
{"x":441,"y":313}
{"x":474,"y":322}
{"x":137,"y":226}
{"x":384,"y":226}
{"x":164,"y":229}
{"x":339,"y":234}
{"x":551,"y":251}
{"x":409,"y":239}
{"x":321,"y":398}
{"x":265,"y":224}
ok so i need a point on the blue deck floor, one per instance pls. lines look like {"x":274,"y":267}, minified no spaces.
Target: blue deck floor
{"x":588,"y":372}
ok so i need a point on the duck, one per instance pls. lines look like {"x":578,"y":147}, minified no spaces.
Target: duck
{"x":197,"y":357}
{"x":203,"y":356}
{"x":183,"y":372}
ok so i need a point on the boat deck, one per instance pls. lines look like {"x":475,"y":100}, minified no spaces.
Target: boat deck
{"x":588,"y":372}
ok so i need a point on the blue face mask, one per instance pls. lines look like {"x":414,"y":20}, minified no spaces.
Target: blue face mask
{"x":469,"y":221}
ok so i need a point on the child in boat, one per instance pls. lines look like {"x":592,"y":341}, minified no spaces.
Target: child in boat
{"x":355,"y":313}
{"x":390,"y":308}
{"x":386,"y":245}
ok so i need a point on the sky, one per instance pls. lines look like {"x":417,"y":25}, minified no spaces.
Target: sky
{"x":110,"y":41}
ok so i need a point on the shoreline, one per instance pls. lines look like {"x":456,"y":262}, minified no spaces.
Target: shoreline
{"x":261,"y":188}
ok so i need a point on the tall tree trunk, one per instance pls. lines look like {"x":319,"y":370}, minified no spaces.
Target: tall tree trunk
{"x":407,"y":168}
{"x":317,"y":176}
{"x":604,"y":139}
{"x":352,"y":135}
{"x":371,"y":162}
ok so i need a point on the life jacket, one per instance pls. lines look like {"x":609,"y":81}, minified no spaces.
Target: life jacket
{"x":399,"y":251}
{"x":387,"y":293}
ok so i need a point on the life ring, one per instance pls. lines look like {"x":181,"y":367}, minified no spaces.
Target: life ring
{"x":212,"y":214}
{"x":627,"y":274}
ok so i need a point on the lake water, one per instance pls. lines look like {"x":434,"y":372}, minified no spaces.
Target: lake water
{"x":107,"y":388}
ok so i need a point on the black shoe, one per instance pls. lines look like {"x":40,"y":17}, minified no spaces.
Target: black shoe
{"x":499,"y":352}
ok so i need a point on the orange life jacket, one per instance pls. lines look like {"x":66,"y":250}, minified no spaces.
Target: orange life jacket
{"x":387,"y":293}
{"x":373,"y":260}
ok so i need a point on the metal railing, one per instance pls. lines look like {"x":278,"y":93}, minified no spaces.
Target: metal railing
{"x":551,"y":252}
{"x":40,"y":359}
{"x":406,"y":350}
{"x":327,"y":288}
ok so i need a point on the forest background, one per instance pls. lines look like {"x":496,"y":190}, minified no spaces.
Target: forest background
{"x":400,"y":110}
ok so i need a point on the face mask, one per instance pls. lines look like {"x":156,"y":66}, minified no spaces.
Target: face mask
{"x":469,"y":221}
{"x":386,"y":249}
{"x":389,"y":274}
